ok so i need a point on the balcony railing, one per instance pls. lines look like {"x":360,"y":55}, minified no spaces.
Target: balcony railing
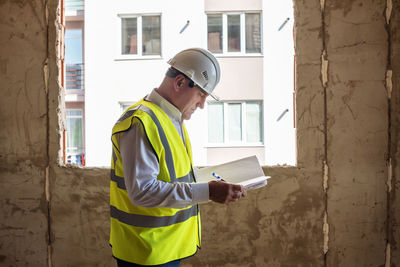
{"x":74,"y":76}
{"x":74,"y":5}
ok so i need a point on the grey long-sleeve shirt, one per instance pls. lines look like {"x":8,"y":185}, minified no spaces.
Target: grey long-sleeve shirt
{"x":141,"y":167}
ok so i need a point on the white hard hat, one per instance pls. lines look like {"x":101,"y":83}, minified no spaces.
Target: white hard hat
{"x":200,"y":66}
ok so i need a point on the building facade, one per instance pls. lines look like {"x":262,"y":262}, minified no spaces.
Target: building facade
{"x":128,"y":44}
{"x":74,"y":83}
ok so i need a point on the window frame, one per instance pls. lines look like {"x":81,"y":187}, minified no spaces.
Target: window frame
{"x":243,"y":142}
{"x":82,"y":125}
{"x":139,"y":55}
{"x":242,"y":52}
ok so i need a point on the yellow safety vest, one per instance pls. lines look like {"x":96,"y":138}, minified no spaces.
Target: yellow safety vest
{"x":152,"y":236}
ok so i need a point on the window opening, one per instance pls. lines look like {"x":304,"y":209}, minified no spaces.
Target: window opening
{"x":73,"y":59}
{"x":75,"y":147}
{"x":74,"y":83}
{"x":125,"y":54}
{"x":234,"y":33}
{"x":214,"y":27}
{"x":235,"y":123}
{"x":141,"y":35}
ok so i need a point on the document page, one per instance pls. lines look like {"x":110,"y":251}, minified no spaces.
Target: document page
{"x":246,"y":171}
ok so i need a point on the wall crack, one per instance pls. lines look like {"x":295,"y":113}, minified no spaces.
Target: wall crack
{"x":324,"y":82}
{"x":388,"y":86}
{"x":47,"y":168}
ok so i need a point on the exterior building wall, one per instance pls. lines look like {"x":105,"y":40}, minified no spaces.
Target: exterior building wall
{"x":241,"y":78}
{"x":279,"y":83}
{"x":235,"y":5}
{"x":75,"y":98}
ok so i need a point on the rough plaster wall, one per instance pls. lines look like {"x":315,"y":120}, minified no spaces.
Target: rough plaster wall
{"x":342,"y":59}
{"x":394,"y":183}
{"x":357,"y":131}
{"x":23,"y":134}
{"x":80,"y":218}
{"x":275,"y":226}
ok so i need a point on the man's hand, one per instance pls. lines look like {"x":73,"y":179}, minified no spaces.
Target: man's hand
{"x":225,"y":193}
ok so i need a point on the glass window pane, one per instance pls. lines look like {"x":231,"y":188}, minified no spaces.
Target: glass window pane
{"x":129,"y":36}
{"x":151,"y":35}
{"x":253,"y":33}
{"x":73,"y":59}
{"x":74,"y":128}
{"x":73,"y":46}
{"x":254,"y":122}
{"x":233,"y":33}
{"x":214,"y":29}
{"x":215,"y":122}
{"x":74,"y":134}
{"x":235,"y":121}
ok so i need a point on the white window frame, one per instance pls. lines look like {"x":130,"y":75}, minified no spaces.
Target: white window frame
{"x":242,"y":33}
{"x":139,"y":55}
{"x":83,"y":134}
{"x":243,"y":142}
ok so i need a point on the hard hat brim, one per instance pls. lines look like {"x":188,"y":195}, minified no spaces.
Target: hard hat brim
{"x":214,"y":96}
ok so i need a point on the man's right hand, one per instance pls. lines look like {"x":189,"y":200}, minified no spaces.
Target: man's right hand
{"x":225,"y":193}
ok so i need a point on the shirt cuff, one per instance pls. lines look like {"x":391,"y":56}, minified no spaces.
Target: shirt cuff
{"x":200,"y":192}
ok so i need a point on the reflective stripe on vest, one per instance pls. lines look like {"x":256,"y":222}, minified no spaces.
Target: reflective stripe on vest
{"x":153,"y":221}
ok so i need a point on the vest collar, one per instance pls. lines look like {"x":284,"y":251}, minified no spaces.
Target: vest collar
{"x":172,"y":112}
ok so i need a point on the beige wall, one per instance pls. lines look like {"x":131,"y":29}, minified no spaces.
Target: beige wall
{"x":241,"y":78}
{"x":335,"y":201}
{"x":232,"y":5}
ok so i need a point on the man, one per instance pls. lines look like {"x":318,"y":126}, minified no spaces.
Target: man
{"x":155,"y":218}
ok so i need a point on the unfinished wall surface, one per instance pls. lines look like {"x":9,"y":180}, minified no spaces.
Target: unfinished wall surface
{"x":356,"y":49}
{"x":393,"y":86}
{"x":338,"y":207}
{"x":23,"y":134}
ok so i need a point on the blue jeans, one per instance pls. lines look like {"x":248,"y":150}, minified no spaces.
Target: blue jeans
{"x":122,"y":263}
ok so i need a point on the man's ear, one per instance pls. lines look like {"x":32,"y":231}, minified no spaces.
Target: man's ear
{"x":179,"y":82}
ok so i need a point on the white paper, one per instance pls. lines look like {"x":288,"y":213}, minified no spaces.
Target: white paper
{"x":246,"y":171}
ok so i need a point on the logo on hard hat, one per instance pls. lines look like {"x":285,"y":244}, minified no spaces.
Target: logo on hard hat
{"x":205,"y":75}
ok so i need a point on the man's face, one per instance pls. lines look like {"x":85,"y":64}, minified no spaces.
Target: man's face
{"x":193,"y":98}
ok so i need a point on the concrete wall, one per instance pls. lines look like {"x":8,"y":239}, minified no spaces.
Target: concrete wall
{"x":338,"y":207}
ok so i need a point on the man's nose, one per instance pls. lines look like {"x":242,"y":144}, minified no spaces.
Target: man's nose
{"x":201,"y":104}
